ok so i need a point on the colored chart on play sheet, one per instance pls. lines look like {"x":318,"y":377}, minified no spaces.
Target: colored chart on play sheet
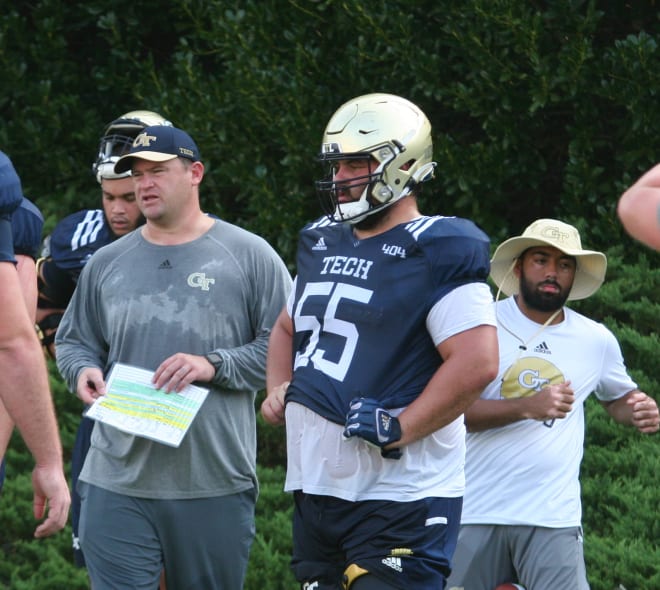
{"x":132,"y":404}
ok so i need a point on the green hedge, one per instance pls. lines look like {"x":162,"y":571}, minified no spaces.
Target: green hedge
{"x":538,"y":109}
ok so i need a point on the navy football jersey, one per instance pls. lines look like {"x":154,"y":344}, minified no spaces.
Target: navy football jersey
{"x":76,"y":237}
{"x":27,"y":223}
{"x":360,"y":308}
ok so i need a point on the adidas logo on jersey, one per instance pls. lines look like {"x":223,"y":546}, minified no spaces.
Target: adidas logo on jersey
{"x":393,"y":562}
{"x":543,"y":348}
{"x":320,"y":245}
{"x":165,"y":264}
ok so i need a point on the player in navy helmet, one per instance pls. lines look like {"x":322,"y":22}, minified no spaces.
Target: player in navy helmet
{"x":71,"y":244}
{"x":387,"y":338}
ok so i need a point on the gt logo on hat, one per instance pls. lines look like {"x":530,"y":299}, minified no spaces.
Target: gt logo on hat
{"x":159,"y":143}
{"x":143,"y":140}
{"x":554,"y":234}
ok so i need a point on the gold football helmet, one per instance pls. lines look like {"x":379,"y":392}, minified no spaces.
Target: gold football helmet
{"x":391,"y":131}
{"x":118,"y":138}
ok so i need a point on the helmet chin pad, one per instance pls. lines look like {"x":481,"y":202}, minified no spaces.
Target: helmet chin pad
{"x":351,"y":212}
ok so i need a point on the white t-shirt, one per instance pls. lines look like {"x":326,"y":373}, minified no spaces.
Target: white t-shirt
{"x":527,"y":473}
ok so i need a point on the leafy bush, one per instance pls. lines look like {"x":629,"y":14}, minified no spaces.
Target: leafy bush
{"x":538,"y":109}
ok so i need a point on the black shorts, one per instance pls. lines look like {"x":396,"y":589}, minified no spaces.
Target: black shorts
{"x":407,"y":544}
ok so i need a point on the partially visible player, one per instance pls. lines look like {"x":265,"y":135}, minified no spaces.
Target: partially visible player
{"x":27,"y":223}
{"x":77,"y":236}
{"x":72,"y":243}
{"x":639,"y":208}
{"x":24,"y":388}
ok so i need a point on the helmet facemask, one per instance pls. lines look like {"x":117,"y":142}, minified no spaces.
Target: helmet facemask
{"x":329,"y":191}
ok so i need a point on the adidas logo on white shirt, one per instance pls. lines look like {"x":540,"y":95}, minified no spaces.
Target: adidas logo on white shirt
{"x":543,"y":348}
{"x":320,"y":245}
{"x":393,"y":562}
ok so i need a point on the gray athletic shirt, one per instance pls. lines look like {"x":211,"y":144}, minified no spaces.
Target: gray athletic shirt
{"x":139,"y":303}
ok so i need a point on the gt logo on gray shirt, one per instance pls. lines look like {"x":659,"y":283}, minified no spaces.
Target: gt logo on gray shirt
{"x":198,"y":279}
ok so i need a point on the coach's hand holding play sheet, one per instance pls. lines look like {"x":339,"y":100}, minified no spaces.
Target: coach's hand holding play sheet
{"x":133,"y":404}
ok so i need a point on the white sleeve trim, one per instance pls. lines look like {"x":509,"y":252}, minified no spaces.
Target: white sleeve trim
{"x":466,"y":307}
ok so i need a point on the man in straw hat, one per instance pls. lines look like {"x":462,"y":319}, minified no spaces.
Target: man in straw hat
{"x":522,"y":513}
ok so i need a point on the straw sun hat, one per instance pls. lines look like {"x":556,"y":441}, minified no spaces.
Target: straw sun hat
{"x":591,"y":266}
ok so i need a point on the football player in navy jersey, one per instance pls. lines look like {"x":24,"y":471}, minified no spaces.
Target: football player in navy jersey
{"x":24,"y":388}
{"x":27,"y":223}
{"x":71,"y":244}
{"x":387,"y":338}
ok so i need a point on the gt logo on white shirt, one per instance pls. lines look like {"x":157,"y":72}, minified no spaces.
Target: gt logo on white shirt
{"x":532,"y":380}
{"x":528,"y":375}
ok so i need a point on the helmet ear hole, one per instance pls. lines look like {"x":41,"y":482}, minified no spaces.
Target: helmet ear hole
{"x":384,"y":193}
{"x":425,"y":173}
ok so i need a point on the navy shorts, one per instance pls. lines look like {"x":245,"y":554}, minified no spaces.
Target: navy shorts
{"x":406,"y":544}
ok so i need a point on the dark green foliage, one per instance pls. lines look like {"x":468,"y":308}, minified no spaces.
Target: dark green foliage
{"x":272,"y":442}
{"x":620,"y":502}
{"x":538,"y":109}
{"x":620,"y":467}
{"x":271,"y":550}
